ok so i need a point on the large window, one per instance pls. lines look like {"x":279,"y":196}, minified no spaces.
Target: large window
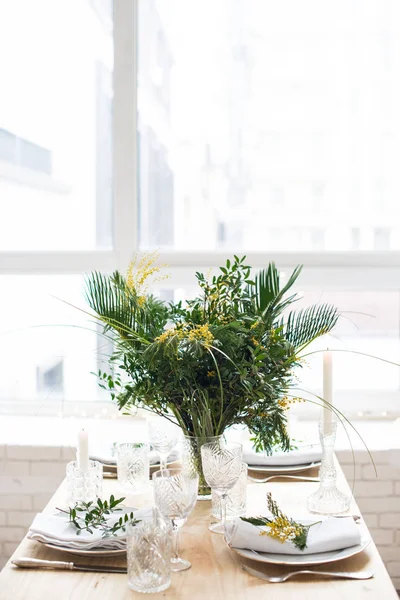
{"x":269,"y":126}
{"x":201,"y":128}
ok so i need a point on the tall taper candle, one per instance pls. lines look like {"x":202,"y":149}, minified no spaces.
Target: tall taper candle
{"x":83,"y":451}
{"x":327,"y":392}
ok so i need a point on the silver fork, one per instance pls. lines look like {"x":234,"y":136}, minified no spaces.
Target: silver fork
{"x":298,"y":477}
{"x":282,"y":578}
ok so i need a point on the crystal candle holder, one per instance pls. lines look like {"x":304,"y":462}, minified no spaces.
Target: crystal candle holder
{"x":84,"y":485}
{"x":328,"y":500}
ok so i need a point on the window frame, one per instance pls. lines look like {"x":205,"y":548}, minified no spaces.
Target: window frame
{"x":344,"y":270}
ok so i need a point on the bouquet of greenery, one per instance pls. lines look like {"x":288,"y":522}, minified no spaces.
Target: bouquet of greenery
{"x":226,"y":357}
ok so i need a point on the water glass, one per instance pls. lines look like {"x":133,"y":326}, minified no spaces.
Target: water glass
{"x":148,"y":548}
{"x":84,"y":485}
{"x":222,"y":465}
{"x":175,"y":494}
{"x":163,"y":438}
{"x":236,"y":501}
{"x":133,"y":466}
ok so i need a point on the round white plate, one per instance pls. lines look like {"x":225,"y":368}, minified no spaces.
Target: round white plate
{"x":283,"y":468}
{"x":306,"y":559}
{"x":86,"y":552}
{"x":112,"y":468}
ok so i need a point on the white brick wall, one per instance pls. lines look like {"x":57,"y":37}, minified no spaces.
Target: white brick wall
{"x":30,"y":475}
{"x":28,"y":478}
{"x":379,"y":500}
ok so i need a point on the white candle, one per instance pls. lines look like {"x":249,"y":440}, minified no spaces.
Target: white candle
{"x":327,"y":414}
{"x":83,"y":451}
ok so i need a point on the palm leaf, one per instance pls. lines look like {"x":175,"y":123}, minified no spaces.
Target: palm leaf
{"x":106,"y":295}
{"x":281,"y":303}
{"x":305,"y":325}
{"x":269,"y":298}
{"x":266,"y":286}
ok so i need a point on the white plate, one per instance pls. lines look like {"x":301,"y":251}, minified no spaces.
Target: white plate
{"x":306,"y":559}
{"x":85,"y":552}
{"x":283,"y":468}
{"x":112,"y":468}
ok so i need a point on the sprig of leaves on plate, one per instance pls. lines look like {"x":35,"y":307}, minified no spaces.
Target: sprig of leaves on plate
{"x":281,"y":527}
{"x":87,"y":516}
{"x":276,"y":447}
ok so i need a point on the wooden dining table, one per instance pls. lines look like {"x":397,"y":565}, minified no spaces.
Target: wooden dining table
{"x":216,"y":571}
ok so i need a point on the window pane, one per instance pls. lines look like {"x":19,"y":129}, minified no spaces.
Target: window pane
{"x":269,"y":125}
{"x":55,"y":125}
{"x":369,"y":325}
{"x":48,"y":348}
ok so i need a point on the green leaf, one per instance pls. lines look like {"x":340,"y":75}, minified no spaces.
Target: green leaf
{"x":268,"y":295}
{"x":304,"y":326}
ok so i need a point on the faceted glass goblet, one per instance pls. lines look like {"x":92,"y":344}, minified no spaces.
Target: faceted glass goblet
{"x":163,"y":438}
{"x":236,"y":502}
{"x":222,"y":465}
{"x":175,"y":494}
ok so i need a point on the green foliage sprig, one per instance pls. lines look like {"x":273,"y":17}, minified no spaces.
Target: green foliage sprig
{"x":87,"y":516}
{"x":281,"y":527}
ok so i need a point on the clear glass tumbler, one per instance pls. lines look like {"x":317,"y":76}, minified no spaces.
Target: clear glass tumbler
{"x":84,"y":485}
{"x":148,"y":547}
{"x":133,"y":466}
{"x":236,"y":501}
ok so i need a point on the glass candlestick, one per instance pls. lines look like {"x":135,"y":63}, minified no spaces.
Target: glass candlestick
{"x":328,"y":500}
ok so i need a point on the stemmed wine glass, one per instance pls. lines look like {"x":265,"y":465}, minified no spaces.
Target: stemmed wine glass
{"x":222,"y":465}
{"x":163,"y":438}
{"x":175,"y":494}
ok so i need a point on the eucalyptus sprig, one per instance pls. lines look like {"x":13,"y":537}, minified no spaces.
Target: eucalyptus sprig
{"x":87,"y":516}
{"x":281,"y":527}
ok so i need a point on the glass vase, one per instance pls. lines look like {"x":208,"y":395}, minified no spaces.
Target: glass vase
{"x":191,"y":460}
